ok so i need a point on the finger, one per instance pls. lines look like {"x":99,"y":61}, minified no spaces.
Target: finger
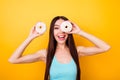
{"x":69,"y":32}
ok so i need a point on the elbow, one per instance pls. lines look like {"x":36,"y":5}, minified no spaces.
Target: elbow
{"x":107,"y":48}
{"x":12,"y":61}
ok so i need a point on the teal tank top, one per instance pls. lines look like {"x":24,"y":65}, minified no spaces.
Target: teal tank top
{"x":61,"y":71}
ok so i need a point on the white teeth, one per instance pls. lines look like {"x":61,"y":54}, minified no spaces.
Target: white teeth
{"x":61,"y":36}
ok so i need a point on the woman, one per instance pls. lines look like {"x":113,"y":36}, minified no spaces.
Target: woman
{"x":61,"y":56}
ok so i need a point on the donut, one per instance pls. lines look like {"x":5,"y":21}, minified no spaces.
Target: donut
{"x":66,"y":26}
{"x":40,"y":27}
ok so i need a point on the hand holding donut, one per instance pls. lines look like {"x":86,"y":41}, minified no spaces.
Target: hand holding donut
{"x":37,"y":30}
{"x":70,"y":27}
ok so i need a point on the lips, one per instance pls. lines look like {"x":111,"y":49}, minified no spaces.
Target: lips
{"x":61,"y":37}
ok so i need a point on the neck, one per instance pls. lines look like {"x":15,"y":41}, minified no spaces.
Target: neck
{"x":61,"y":46}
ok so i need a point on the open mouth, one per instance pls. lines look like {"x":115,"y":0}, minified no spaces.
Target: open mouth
{"x":61,"y":37}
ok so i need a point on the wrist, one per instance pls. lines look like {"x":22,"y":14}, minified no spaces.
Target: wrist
{"x":80,"y":32}
{"x":30,"y":38}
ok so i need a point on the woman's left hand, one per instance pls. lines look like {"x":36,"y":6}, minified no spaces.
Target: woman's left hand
{"x":75,"y":28}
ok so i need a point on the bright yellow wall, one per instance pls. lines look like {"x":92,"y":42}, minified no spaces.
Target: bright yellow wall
{"x":98,"y":17}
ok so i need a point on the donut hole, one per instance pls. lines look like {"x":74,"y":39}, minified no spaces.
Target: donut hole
{"x":40,"y":27}
{"x":66,"y":26}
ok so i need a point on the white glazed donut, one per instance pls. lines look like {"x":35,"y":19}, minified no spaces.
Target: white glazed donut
{"x":66,"y":26}
{"x":40,"y":27}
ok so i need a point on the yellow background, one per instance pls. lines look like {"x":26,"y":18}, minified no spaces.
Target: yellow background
{"x":98,"y":17}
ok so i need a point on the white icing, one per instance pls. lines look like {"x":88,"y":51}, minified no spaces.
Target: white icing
{"x":66,"y":26}
{"x":40,"y":27}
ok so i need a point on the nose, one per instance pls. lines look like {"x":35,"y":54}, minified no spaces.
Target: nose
{"x":60,"y":31}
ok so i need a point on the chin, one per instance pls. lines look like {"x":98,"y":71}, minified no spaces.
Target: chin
{"x":60,"y":42}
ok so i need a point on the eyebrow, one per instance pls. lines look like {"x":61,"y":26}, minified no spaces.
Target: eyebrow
{"x":56,"y":25}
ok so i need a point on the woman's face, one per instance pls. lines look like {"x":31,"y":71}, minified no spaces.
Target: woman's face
{"x":60,"y":36}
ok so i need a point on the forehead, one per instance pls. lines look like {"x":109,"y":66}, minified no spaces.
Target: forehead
{"x":59,"y":21}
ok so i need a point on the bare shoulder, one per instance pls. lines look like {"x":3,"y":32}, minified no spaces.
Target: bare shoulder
{"x":80,"y":47}
{"x":42,"y":54}
{"x":79,"y":50}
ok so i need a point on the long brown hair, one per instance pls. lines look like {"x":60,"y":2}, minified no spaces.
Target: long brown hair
{"x":52,"y":48}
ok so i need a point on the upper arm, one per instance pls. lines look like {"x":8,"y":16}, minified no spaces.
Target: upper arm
{"x":37,"y":56}
{"x":85,"y":51}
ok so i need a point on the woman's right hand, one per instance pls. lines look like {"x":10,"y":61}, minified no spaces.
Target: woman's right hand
{"x":33,"y":33}
{"x":17,"y":56}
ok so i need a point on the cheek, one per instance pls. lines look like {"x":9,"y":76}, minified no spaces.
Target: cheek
{"x":55,"y":33}
{"x":66,"y":36}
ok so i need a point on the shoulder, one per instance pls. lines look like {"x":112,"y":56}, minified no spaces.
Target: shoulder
{"x":80,"y":50}
{"x":42,"y":54}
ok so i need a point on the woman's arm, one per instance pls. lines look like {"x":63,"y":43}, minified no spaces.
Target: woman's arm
{"x":100,"y":45}
{"x":17,"y":55}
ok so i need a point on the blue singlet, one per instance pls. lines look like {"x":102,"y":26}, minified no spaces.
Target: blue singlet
{"x":61,"y":71}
